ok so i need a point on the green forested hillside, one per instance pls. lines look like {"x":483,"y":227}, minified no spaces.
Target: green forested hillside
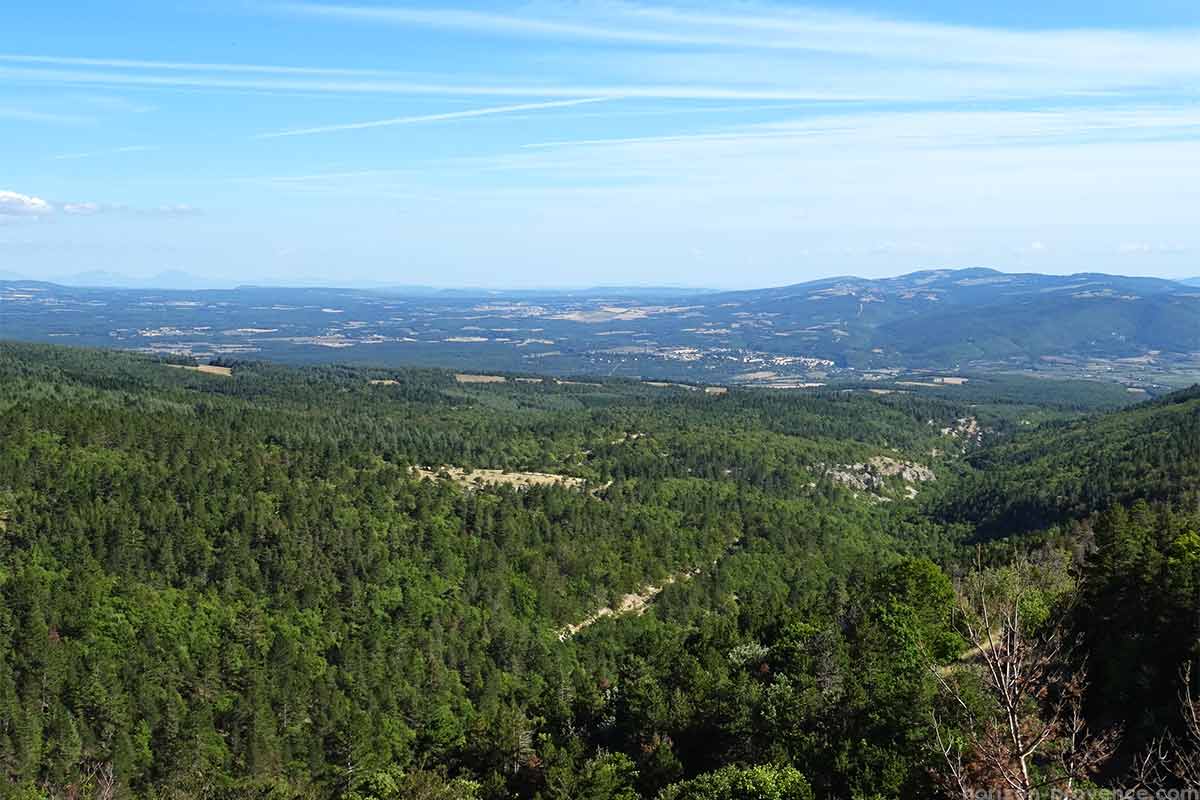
{"x":237,"y":586}
{"x":1071,"y":469}
{"x":1100,"y":324}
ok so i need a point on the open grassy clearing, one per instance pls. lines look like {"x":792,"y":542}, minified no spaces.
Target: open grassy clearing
{"x":207,"y":369}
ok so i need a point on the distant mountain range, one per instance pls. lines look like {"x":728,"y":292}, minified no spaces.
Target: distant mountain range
{"x":956,"y":316}
{"x":183,"y":281}
{"x":963,"y":285}
{"x":1086,"y":325}
{"x":169,"y":279}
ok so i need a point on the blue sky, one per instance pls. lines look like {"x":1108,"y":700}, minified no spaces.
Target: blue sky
{"x":584,"y":143}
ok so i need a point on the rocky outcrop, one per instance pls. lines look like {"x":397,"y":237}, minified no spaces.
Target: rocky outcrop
{"x":877,"y":473}
{"x":966,"y":430}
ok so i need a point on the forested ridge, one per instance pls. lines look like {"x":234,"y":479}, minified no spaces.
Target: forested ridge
{"x":1067,"y":469}
{"x":238,"y":587}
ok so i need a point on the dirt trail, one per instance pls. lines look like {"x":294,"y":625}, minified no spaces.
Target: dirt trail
{"x":634,"y":603}
{"x":639,"y":601}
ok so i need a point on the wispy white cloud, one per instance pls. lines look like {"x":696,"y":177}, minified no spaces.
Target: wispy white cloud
{"x":16,"y":204}
{"x":967,"y":147}
{"x":742,"y":136}
{"x":447,"y":89}
{"x":91,"y":209}
{"x":926,"y":42}
{"x":26,"y":115}
{"x":900,"y":130}
{"x":743,"y":52}
{"x":678,"y":110}
{"x":1151,"y":249}
{"x":762,"y":26}
{"x":171,"y":210}
{"x":136,"y":148}
{"x":451,"y":115}
{"x":329,"y":176}
{"x":115,"y":103}
{"x":82,"y":209}
{"x":504,"y":24}
{"x":182,"y":66}
{"x":738,"y":52}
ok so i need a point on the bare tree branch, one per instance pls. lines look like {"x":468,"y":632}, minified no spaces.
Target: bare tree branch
{"x":1033,"y":735}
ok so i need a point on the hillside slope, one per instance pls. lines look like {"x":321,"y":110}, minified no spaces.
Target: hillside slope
{"x":235,"y":584}
{"x":947,"y":317}
{"x":1150,"y":451}
{"x":1099,"y":325}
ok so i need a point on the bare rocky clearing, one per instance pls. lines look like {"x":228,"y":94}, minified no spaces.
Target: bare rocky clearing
{"x":873,"y":475}
{"x":477,"y":478}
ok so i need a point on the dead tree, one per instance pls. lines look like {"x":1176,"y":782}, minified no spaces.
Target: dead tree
{"x":1022,"y":733}
{"x":1174,"y":759}
{"x":96,"y":781}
